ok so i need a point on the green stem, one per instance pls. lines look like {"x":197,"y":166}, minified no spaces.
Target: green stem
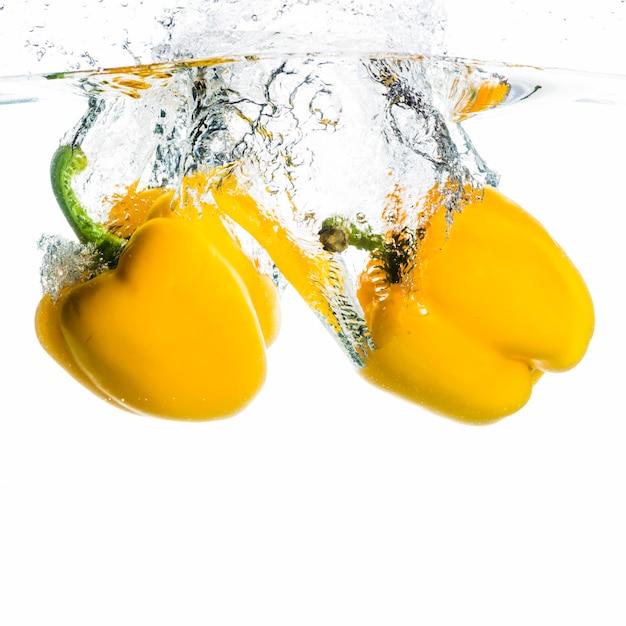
{"x":337,"y":233}
{"x":67,"y":162}
{"x":395,"y":251}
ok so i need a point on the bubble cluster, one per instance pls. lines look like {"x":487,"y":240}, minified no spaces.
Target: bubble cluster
{"x":66,"y":262}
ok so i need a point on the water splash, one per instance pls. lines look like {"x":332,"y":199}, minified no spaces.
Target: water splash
{"x":40,"y":36}
{"x":311,"y":137}
{"x":66,"y":262}
{"x":310,"y":108}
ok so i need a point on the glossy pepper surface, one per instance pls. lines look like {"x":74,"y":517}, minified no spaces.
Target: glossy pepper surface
{"x":489,"y":304}
{"x":463,"y":324}
{"x":476,"y":315}
{"x":178,"y":329}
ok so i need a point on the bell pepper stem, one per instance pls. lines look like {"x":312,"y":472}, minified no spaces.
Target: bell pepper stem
{"x":337,"y":233}
{"x":394,"y":251}
{"x":67,"y":162}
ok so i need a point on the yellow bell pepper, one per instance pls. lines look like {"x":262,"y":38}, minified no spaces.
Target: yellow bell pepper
{"x":489,"y":304}
{"x":468,"y":323}
{"x":178,"y":328}
{"x":464,"y":325}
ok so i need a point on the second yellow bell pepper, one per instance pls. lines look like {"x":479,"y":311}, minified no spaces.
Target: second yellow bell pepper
{"x":464,"y":318}
{"x":489,"y":304}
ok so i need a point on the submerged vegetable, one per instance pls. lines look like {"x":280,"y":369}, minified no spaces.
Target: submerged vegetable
{"x":468,"y":321}
{"x":481,"y":313}
{"x":177,"y":329}
{"x":464,"y":317}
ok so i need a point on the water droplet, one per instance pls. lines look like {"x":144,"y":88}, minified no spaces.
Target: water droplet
{"x":391,"y":216}
{"x":361,"y":218}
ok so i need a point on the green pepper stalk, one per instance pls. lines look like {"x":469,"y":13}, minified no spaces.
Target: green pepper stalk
{"x":395,"y":251}
{"x":67,"y":162}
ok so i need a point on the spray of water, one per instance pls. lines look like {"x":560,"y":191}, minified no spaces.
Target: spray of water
{"x":309,"y":105}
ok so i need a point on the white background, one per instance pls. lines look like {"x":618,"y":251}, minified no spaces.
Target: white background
{"x":327,"y":502}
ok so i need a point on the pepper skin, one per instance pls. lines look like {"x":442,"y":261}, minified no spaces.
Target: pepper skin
{"x":486,"y":309}
{"x":177,"y":330}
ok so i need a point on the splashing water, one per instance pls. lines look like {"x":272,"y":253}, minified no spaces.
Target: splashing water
{"x":39,"y":38}
{"x":320,"y":110}
{"x":66,"y":262}
{"x":313,"y":137}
